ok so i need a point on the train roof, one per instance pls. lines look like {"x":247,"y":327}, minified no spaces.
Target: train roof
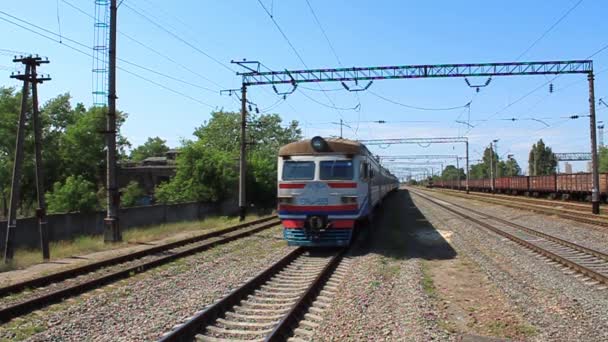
{"x":335,"y":145}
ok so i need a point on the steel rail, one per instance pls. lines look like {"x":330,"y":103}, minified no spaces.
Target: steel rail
{"x":285,"y":327}
{"x":197,"y":324}
{"x":551,"y":255}
{"x":76,"y":271}
{"x":26,"y":306}
{"x":573,"y":215}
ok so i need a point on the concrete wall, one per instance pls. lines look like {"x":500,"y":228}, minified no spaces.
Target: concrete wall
{"x":69,"y":226}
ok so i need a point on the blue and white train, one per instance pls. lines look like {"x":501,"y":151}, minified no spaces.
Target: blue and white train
{"x":326,"y":187}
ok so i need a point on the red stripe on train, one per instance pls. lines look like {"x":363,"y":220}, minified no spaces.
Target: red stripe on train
{"x":343,"y":223}
{"x":342,"y":185}
{"x":291,"y":186}
{"x":293,"y":223}
{"x":345,"y":207}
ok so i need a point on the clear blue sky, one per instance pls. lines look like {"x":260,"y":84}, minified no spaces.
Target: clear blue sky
{"x":363,"y":33}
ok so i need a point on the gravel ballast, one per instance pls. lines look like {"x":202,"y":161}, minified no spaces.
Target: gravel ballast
{"x":561,"y":307}
{"x":149,"y":304}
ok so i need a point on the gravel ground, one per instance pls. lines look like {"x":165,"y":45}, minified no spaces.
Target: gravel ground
{"x":381,"y":297}
{"x":147,"y":305}
{"x":561,"y":307}
{"x":584,"y":234}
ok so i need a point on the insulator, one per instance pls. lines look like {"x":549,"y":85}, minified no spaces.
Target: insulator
{"x":551,"y":88}
{"x":249,"y":108}
{"x":257,"y":110}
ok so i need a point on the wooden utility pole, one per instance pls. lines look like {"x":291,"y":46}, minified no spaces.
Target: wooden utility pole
{"x":29,"y":77}
{"x":112,"y":228}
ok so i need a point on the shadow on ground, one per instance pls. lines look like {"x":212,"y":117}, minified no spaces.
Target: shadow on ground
{"x":401,"y":231}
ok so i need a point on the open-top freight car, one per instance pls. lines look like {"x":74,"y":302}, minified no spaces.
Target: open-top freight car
{"x":576,"y":186}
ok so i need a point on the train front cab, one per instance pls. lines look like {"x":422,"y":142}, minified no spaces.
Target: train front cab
{"x":320,"y":199}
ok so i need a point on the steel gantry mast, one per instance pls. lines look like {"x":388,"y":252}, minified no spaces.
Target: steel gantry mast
{"x":253,"y":76}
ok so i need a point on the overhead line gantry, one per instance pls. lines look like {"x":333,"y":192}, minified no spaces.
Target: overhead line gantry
{"x":254,"y":76}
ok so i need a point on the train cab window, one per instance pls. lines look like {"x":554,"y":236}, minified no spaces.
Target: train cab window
{"x":298,"y":170}
{"x":364,"y":171}
{"x":336,"y":170}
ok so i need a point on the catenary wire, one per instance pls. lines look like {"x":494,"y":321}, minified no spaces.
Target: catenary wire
{"x":90,"y":55}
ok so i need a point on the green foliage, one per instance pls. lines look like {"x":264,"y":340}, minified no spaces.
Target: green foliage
{"x":603,"y":159}
{"x":541,"y":160}
{"x":130,"y":194}
{"x":72,"y":143}
{"x":511,"y":168}
{"x":153,"y":147}
{"x":451,"y":173}
{"x":207,"y":169}
{"x":75,"y":194}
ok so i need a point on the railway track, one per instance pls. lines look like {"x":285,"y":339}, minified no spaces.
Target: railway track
{"x":570,"y":205}
{"x":591,"y":263}
{"x":24,"y":297}
{"x":555,"y":209}
{"x":284,"y":302}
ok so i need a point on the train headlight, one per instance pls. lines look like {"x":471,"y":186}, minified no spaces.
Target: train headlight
{"x":285,"y":200}
{"x":349,"y":199}
{"x":318,"y":144}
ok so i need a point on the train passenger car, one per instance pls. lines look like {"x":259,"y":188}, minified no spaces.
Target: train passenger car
{"x":327,"y":186}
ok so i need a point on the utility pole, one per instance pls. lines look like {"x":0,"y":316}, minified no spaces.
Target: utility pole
{"x":112,"y":227}
{"x":341,"y":123}
{"x":41,"y":210}
{"x":467,"y":156}
{"x":492,"y":166}
{"x":595,"y":193}
{"x":29,"y":77}
{"x":243,"y":156}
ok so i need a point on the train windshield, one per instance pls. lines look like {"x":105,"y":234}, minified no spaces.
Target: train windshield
{"x":298,"y":170}
{"x":336,"y":170}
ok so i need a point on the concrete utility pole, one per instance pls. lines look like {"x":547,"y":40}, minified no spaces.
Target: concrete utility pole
{"x":492,"y":166}
{"x":243,"y":156}
{"x":112,"y":227}
{"x":41,"y":210}
{"x":467,"y":156}
{"x":595,"y":192}
{"x":29,"y":77}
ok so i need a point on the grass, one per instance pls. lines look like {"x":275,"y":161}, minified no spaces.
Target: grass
{"x":428,"y":285}
{"x":90,"y":244}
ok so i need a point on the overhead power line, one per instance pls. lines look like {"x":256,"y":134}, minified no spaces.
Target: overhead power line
{"x":295,"y":51}
{"x":549,"y":29}
{"x":416,"y":107}
{"x":176,"y":36}
{"x":89,"y":54}
{"x":147,"y":47}
{"x":331,"y":46}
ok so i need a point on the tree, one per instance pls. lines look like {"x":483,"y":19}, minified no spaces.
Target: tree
{"x":207,"y":169}
{"x":511,"y":168}
{"x":130,"y":194}
{"x":541,"y":160}
{"x":603,"y":159}
{"x":451,"y":173}
{"x":75,"y":194}
{"x":153,"y":147}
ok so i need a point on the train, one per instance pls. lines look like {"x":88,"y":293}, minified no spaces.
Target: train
{"x":328,"y":187}
{"x":574,"y":186}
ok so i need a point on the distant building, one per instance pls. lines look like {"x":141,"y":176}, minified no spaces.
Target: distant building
{"x":568,"y":167}
{"x":149,"y":173}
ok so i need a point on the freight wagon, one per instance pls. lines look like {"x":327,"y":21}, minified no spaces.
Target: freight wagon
{"x":565,"y":186}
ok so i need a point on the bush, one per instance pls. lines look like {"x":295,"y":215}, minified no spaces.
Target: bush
{"x":130,"y":194}
{"x":76,"y":194}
